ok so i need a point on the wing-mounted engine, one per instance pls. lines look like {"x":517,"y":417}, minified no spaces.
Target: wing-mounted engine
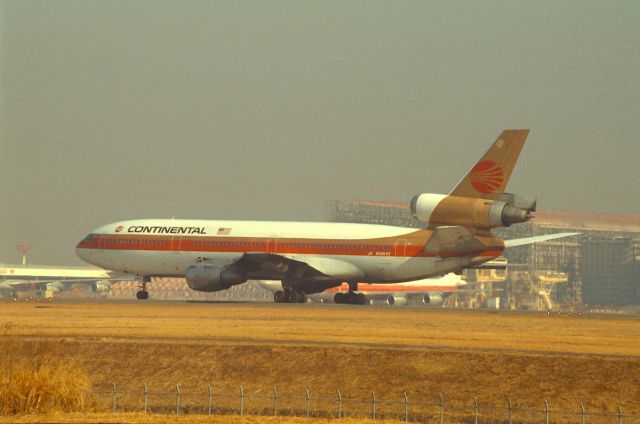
{"x":210,"y":278}
{"x":55,"y":286}
{"x":440,"y":210}
{"x":101,"y":286}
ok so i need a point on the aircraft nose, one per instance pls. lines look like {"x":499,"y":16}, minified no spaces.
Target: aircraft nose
{"x":82,"y":248}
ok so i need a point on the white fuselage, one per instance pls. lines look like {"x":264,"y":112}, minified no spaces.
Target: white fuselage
{"x":351,"y":252}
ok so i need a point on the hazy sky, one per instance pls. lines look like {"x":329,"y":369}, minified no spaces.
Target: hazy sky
{"x":265,"y":109}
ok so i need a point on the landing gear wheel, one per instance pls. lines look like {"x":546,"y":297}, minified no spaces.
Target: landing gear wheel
{"x":302,"y":297}
{"x":350,"y":298}
{"x":279,"y":297}
{"x":142,"y":295}
{"x":291,"y":296}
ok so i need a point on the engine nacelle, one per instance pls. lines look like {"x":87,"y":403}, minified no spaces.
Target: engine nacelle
{"x":210,"y":278}
{"x":54,"y":287}
{"x":438,"y":209}
{"x":396,"y":300}
{"x":101,"y":286}
{"x":431,"y":299}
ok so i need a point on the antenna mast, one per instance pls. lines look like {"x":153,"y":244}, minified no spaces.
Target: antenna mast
{"x":23,"y":248}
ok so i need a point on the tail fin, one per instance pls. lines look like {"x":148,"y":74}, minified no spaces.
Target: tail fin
{"x":489,"y":176}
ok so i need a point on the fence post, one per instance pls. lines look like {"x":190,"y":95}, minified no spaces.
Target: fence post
{"x":210,"y":397}
{"x":475,"y":410}
{"x":441,"y":409}
{"x":275,"y":402}
{"x":406,"y":407}
{"x":546,"y":411}
{"x":510,"y":409}
{"x":146,"y":393}
{"x":373,"y":405}
{"x":619,"y":414}
{"x":339,"y":404}
{"x":241,"y":401}
{"x":581,"y":413}
{"x":308,"y":401}
{"x":113,"y":395}
{"x":177,"y":400}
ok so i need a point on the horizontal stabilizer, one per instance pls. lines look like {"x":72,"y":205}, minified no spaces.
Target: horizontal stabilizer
{"x":536,"y":239}
{"x":452,"y":240}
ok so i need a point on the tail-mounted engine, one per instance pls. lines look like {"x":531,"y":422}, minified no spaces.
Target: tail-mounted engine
{"x":437,"y":210}
{"x":210,"y":278}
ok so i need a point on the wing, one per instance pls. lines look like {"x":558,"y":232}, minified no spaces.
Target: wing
{"x":273,"y":266}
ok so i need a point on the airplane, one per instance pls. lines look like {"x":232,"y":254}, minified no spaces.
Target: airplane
{"x":428,"y":291}
{"x":14,"y":278}
{"x":310,"y":257}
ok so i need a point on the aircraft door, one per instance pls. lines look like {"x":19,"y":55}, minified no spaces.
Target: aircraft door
{"x":272,"y":246}
{"x":176,"y":244}
{"x":400,"y":247}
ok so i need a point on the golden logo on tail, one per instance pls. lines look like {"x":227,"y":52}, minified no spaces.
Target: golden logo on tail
{"x":490,"y":175}
{"x":487,"y":176}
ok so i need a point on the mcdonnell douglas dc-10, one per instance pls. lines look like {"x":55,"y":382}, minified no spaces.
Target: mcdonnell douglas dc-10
{"x":312,"y":257}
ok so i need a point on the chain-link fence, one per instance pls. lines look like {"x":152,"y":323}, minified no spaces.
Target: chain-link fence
{"x":406,"y":408}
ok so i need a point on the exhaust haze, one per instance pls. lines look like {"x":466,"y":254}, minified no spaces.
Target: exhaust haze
{"x":264,"y":110}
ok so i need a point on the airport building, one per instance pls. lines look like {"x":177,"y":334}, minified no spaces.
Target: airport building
{"x":599,"y":267}
{"x":609,"y":272}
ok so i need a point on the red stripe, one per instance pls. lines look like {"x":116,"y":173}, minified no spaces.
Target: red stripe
{"x":393,"y":288}
{"x":238,"y":245}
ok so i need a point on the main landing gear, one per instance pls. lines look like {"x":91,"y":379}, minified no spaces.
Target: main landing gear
{"x":290,"y":296}
{"x":351,"y":298}
{"x":143,"y":294}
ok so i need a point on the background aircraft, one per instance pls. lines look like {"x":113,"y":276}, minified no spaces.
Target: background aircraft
{"x":15,"y":278}
{"x":429,"y":291}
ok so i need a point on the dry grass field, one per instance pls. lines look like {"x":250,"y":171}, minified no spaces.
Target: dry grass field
{"x":188,"y":419}
{"x":424,"y":352}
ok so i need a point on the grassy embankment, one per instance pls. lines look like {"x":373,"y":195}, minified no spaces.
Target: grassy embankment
{"x":526,"y":357}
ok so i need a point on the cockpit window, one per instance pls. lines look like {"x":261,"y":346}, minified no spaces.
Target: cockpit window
{"x":88,"y":238}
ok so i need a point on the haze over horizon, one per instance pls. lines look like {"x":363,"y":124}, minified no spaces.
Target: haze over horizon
{"x":265,"y":110}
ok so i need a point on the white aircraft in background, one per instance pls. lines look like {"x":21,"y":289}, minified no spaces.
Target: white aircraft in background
{"x":14,"y":278}
{"x":312,"y":257}
{"x":429,"y":291}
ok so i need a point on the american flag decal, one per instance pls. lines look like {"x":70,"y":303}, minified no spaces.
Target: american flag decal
{"x":223,"y":231}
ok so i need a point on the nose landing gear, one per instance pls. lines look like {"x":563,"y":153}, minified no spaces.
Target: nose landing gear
{"x":143,"y":294}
